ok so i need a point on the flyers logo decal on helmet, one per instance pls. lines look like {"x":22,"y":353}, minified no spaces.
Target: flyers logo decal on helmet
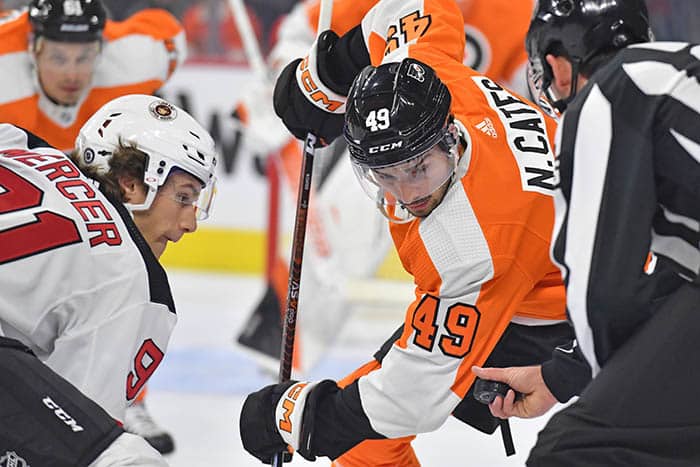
{"x":416,"y":72}
{"x":162,"y":110}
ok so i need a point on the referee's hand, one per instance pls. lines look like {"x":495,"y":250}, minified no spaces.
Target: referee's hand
{"x":536,"y":399}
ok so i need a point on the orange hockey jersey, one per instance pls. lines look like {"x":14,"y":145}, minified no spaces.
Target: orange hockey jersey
{"x":138,"y":56}
{"x":494,"y":31}
{"x":479,"y":261}
{"x":481,"y":258}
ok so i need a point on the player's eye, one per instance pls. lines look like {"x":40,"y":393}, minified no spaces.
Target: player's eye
{"x":184,"y":198}
{"x":384,"y":176}
{"x":57,"y":59}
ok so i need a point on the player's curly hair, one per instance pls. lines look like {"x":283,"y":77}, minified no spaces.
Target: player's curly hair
{"x":126,"y":161}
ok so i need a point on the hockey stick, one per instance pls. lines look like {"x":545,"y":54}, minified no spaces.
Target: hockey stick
{"x":307,"y":165}
{"x":250,"y":42}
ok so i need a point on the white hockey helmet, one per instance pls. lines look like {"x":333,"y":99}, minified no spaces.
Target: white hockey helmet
{"x":168,"y":135}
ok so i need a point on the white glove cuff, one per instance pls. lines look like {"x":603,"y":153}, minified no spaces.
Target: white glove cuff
{"x":313,"y":88}
{"x":289,"y":412}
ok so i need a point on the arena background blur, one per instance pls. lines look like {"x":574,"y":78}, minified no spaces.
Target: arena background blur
{"x":210,"y":85}
{"x":212,"y":33}
{"x":212,"y":82}
{"x":200,"y":387}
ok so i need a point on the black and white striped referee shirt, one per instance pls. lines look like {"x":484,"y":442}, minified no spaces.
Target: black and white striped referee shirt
{"x":627,"y":228}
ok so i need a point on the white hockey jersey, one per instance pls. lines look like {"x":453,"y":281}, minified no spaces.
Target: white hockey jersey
{"x":79,"y":284}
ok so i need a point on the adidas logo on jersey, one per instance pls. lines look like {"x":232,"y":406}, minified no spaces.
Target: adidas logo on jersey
{"x":487,"y":127}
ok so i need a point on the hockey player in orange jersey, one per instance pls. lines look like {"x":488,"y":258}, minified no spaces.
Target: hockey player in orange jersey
{"x":463,"y":169}
{"x":61,"y":60}
{"x":340,"y":221}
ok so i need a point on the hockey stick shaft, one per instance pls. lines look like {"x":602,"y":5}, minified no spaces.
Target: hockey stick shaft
{"x":302,"y":211}
{"x":250,"y":41}
{"x":290,"y":317}
{"x":303,"y":198}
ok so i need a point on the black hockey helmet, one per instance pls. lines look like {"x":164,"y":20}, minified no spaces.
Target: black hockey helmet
{"x":582,"y":29}
{"x":394,"y":112}
{"x":68,"y":20}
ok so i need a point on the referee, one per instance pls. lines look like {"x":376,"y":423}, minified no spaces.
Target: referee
{"x":627,"y":233}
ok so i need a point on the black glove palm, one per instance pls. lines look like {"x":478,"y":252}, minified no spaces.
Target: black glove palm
{"x":257,"y":424}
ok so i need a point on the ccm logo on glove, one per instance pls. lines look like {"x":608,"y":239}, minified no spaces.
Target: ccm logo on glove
{"x":290,"y":411}
{"x":317,"y":92}
{"x":288,"y":403}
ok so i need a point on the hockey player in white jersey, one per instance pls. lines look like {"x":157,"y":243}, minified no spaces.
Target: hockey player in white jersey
{"x":82,"y":285}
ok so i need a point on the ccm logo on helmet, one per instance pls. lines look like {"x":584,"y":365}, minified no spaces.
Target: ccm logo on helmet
{"x":385,"y":147}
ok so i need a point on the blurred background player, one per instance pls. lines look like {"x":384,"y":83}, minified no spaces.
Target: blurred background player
{"x":107,"y":328}
{"x":341,"y":219}
{"x":60,"y":61}
{"x":211,"y":31}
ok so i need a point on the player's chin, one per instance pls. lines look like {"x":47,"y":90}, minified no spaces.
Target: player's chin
{"x":159,"y":246}
{"x":69,"y":98}
{"x":420,"y":208}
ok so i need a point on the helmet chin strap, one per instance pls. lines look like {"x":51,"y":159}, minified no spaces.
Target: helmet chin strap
{"x":146,"y":205}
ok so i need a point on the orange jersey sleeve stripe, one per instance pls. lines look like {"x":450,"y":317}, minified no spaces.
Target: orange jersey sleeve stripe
{"x":156,"y":23}
{"x":14,"y":32}
{"x":498,"y":29}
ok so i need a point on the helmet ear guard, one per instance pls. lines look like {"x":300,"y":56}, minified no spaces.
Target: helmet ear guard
{"x":169,"y":136}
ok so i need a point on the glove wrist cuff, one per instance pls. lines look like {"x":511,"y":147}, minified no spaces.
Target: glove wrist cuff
{"x":290,"y":410}
{"x":313,"y":87}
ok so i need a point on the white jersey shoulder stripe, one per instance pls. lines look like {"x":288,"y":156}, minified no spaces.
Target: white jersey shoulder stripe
{"x":16,"y":81}
{"x":386,"y":14}
{"x":136,"y":58}
{"x":456,"y":244}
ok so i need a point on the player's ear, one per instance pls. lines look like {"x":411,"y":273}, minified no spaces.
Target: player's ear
{"x":561,"y":71}
{"x":132,"y":189}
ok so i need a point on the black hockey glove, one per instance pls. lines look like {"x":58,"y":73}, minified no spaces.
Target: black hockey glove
{"x":307,"y":99}
{"x":257,"y":424}
{"x":282,"y":415}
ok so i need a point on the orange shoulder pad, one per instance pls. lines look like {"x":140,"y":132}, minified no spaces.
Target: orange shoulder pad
{"x":154,"y":22}
{"x":14,"y":33}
